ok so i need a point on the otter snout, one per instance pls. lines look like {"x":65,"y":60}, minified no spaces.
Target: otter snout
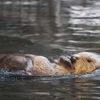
{"x":74,"y":59}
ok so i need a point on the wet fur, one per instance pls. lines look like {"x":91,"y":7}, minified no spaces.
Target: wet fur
{"x":85,"y":62}
{"x":29,"y":64}
{"x":33,"y":65}
{"x":16,"y":62}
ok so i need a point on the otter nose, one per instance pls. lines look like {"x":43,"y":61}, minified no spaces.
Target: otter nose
{"x":73,"y":59}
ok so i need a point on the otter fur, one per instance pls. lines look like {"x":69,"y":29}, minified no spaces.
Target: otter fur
{"x":85,"y":62}
{"x":34,"y":65}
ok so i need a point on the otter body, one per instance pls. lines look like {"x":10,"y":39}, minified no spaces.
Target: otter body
{"x":15,"y":62}
{"x":33,"y":65}
{"x":85,"y":62}
{"x":80,"y":63}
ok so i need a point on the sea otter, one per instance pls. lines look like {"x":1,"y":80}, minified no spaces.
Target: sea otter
{"x":85,"y":62}
{"x":34,"y":65}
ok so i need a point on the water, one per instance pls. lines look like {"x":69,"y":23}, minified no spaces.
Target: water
{"x":48,"y":28}
{"x":67,"y":89}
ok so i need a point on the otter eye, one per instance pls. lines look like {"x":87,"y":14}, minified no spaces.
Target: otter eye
{"x":89,"y":60}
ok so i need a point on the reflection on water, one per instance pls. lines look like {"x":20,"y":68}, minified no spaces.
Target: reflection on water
{"x":63,"y":24}
{"x":50,"y":27}
{"x":17,"y":45}
{"x":69,"y":89}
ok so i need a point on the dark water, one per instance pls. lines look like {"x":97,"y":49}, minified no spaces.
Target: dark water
{"x":50,"y":27}
{"x":63,"y":89}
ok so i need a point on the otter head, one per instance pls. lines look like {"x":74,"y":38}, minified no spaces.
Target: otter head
{"x":85,"y":62}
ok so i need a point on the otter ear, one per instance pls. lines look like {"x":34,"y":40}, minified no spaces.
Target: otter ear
{"x":74,"y":58}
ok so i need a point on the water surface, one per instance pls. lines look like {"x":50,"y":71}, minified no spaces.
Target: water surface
{"x":48,"y":28}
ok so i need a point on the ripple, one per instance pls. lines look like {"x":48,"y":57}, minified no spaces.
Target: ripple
{"x":85,"y":12}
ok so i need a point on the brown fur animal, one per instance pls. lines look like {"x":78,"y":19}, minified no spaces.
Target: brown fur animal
{"x":29,"y":64}
{"x":62,"y":66}
{"x":85,"y":62}
{"x":34,"y":65}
